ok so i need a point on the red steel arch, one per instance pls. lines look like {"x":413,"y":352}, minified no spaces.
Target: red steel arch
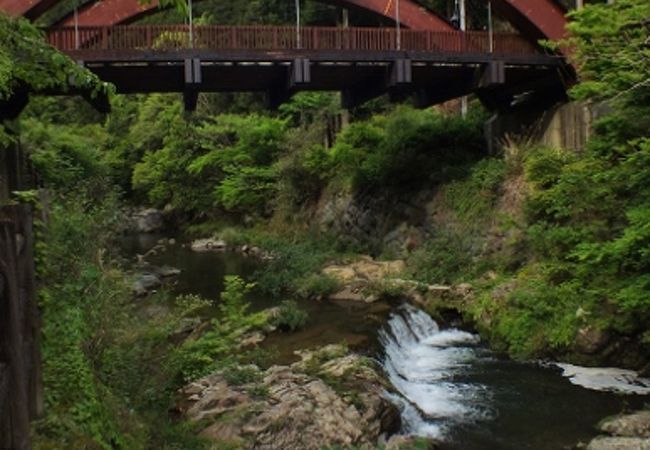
{"x":535,"y":19}
{"x":30,"y":9}
{"x":114,"y":12}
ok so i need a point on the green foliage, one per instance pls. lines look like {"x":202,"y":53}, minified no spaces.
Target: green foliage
{"x":589,"y":213}
{"x":295,"y":261}
{"x":473,"y":198}
{"x":199,"y":164}
{"x":290,"y":317}
{"x":611,"y":49}
{"x":64,"y":155}
{"x":444,"y":258}
{"x":27,"y":62}
{"x":238,"y":375}
{"x":78,"y":296}
{"x":406,"y":148}
{"x":316,"y":285}
{"x":213,"y":350}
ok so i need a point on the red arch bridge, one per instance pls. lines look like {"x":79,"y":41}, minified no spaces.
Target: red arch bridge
{"x":362,"y":63}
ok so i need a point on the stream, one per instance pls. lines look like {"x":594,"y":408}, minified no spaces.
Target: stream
{"x":448,"y":385}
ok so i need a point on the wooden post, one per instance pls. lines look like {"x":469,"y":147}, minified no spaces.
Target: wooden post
{"x":20,"y":373}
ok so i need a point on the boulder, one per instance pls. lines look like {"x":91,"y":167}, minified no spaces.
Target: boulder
{"x":590,"y":340}
{"x":208,"y":244}
{"x":348,"y":293}
{"x":402,"y":442}
{"x":328,"y":399}
{"x":624,"y":432}
{"x":365,"y":269}
{"x":619,"y":443}
{"x":144,"y":283}
{"x":628,"y":425}
{"x":148,"y":220}
{"x":166,"y":271}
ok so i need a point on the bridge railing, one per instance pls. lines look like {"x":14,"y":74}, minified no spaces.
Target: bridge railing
{"x":217,"y":37}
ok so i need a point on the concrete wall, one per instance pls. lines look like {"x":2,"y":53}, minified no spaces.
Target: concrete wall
{"x":568,"y":125}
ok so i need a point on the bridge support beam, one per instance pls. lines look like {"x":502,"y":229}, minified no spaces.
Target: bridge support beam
{"x":491,"y":75}
{"x":193,"y":80}
{"x":298,"y":77}
{"x":397,"y":81}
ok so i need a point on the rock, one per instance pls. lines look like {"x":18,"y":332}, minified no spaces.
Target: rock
{"x":295,"y":409}
{"x":629,"y":425}
{"x":251,"y":339}
{"x":464,"y":290}
{"x":341,"y":273}
{"x":589,"y":340}
{"x":171,"y":241}
{"x":438,"y":288}
{"x":187,"y":325}
{"x":145,"y":283}
{"x":348,"y":294}
{"x":619,"y":443}
{"x":365,"y":269}
{"x":148,"y":220}
{"x":402,"y":442}
{"x":208,"y":244}
{"x":166,"y":271}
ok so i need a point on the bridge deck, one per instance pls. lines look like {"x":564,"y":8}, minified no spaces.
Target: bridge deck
{"x":360,"y":62}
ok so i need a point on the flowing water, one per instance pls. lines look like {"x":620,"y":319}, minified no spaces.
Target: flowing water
{"x":447,"y":384}
{"x":452,"y":388}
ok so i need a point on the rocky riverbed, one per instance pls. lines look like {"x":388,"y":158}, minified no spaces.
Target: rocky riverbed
{"x":329,"y":398}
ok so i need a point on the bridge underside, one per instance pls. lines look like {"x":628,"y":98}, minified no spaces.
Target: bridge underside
{"x":361,"y":76}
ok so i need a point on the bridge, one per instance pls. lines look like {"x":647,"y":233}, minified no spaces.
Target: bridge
{"x":430,"y":59}
{"x":362,"y":63}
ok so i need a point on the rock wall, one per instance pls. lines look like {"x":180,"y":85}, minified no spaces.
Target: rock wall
{"x":385,"y":220}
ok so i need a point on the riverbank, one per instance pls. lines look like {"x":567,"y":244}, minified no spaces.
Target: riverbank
{"x":500,"y":416}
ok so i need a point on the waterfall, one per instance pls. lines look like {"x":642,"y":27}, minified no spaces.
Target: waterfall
{"x":425,"y":366}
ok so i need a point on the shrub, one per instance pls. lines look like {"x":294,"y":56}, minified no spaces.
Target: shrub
{"x":316,"y":285}
{"x":290,"y":317}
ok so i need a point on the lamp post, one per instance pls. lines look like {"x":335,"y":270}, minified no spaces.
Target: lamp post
{"x":463,"y":28}
{"x":191,"y":22}
{"x":76,"y":27}
{"x":490,"y":27}
{"x":298,"y":43}
{"x":399,"y":28}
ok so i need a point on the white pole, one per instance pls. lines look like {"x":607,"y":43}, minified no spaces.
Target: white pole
{"x":76,"y":28}
{"x":399,"y":28}
{"x":490,"y":28}
{"x":463,"y":23}
{"x":191,"y":18}
{"x":298,"y":44}
{"x":580,"y":4}
{"x":463,"y":28}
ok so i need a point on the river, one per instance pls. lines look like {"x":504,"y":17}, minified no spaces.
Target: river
{"x":448,"y":384}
